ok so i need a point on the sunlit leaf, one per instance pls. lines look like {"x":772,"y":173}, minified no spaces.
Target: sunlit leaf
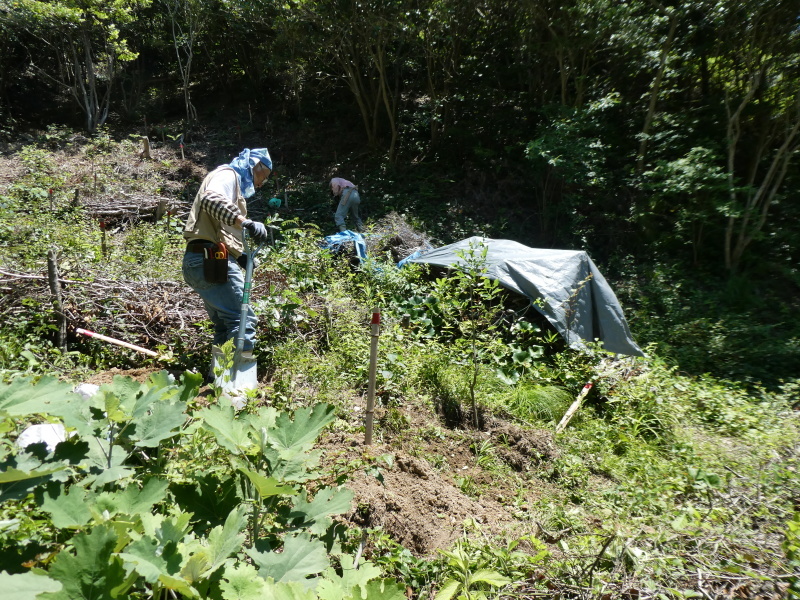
{"x":26,"y":586}
{"x":92,"y":572}
{"x":301,"y":557}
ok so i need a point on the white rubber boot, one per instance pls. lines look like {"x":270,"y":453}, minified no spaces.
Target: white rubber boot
{"x":234,"y":382}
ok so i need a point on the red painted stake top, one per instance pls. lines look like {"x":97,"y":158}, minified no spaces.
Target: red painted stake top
{"x":376,"y":318}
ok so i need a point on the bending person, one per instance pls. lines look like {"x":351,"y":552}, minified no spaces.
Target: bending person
{"x":349,"y":202}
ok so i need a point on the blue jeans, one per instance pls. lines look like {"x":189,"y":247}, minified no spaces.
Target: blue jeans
{"x":223,"y":301}
{"x":350,"y":201}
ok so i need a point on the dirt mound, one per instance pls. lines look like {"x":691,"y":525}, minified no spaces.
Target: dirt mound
{"x":419,"y":507}
{"x":522,"y":448}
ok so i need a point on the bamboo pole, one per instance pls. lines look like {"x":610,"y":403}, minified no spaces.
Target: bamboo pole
{"x":105,"y":338}
{"x":373,"y":365}
{"x":574,"y":408}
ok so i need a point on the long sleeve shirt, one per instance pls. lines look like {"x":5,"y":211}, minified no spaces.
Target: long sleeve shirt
{"x":338,"y":184}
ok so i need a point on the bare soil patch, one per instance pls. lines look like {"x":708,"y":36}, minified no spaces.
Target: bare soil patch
{"x":141,"y":375}
{"x":419,"y":507}
{"x":422,"y":502}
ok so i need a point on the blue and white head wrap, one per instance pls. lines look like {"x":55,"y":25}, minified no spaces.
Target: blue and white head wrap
{"x":243,"y":165}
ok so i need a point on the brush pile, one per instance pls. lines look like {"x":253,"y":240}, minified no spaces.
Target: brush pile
{"x":146,"y":313}
{"x":393,"y":234}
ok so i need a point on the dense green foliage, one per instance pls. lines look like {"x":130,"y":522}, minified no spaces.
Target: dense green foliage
{"x":158,"y":490}
{"x":661,"y":138}
{"x":591,"y":119}
{"x":236,"y":488}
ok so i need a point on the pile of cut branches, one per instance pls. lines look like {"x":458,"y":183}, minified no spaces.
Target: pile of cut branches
{"x":147,"y":313}
{"x":393,"y":234}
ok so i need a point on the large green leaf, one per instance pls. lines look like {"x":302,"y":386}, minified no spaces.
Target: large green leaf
{"x":166,"y":529}
{"x":93,"y":572}
{"x":132,"y":500}
{"x":296,"y":467}
{"x":328,"y":501}
{"x":161,"y":422}
{"x":127,"y":389}
{"x":156,"y":390}
{"x":299,"y":434}
{"x":115,"y":473}
{"x":264,"y":419}
{"x":182,"y":391}
{"x":380,"y":589}
{"x":21,"y":474}
{"x":242,"y":583}
{"x":66,"y":509}
{"x":231,"y":433}
{"x":448,"y":590}
{"x":112,"y":407}
{"x":196,"y":568}
{"x":190,"y":384}
{"x":11,"y":474}
{"x":226,"y":540}
{"x":288,"y":591}
{"x":152,"y":559}
{"x":179,"y":584}
{"x":335,"y":587}
{"x":268,"y":486}
{"x":488,"y":576}
{"x":26,"y":586}
{"x":162,"y":552}
{"x":81,"y":415}
{"x":300,"y":558}
{"x":22,"y":397}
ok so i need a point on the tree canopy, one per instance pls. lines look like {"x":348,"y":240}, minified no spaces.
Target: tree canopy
{"x":675,"y":124}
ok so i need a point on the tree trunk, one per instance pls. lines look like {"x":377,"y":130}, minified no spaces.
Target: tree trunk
{"x":654,"y":92}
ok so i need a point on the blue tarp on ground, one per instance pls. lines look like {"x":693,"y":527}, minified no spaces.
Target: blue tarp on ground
{"x":337,"y":240}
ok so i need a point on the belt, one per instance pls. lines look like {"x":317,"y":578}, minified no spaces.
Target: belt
{"x":197,"y":246}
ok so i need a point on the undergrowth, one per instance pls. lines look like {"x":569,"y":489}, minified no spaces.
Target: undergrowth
{"x":660,"y":475}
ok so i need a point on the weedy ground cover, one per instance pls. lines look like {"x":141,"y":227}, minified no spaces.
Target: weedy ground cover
{"x":663,"y":485}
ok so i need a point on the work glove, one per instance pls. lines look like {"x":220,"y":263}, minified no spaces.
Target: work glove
{"x":256,"y":230}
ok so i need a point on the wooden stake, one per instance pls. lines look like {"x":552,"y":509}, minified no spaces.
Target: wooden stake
{"x":161,"y":210}
{"x":55,"y":289}
{"x":103,"y":242}
{"x":373,"y":365}
{"x":574,"y":408}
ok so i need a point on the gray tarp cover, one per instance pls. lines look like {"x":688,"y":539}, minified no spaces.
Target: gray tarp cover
{"x":554,"y":276}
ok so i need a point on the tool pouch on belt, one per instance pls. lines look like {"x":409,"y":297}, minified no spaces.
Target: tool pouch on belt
{"x":215,"y":263}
